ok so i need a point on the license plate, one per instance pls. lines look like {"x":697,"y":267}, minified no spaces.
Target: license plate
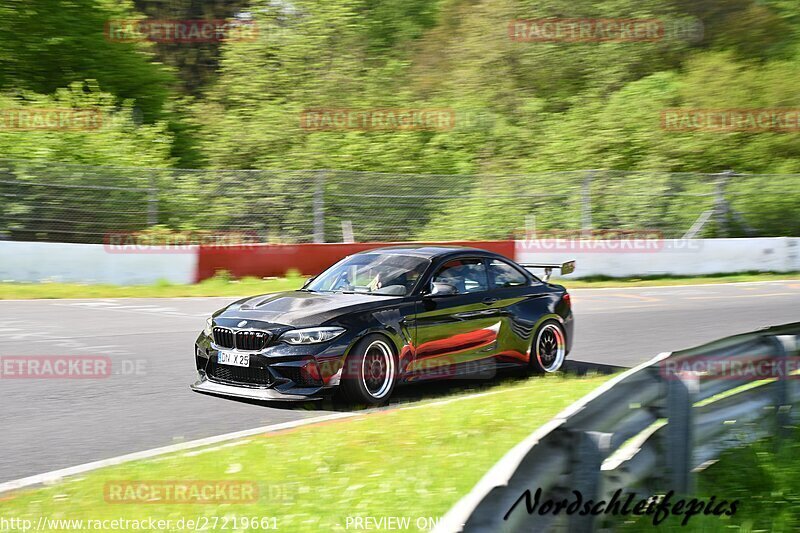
{"x":233,"y":359}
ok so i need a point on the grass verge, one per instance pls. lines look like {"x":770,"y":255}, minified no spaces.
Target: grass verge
{"x":225,"y":286}
{"x":217,"y":286}
{"x":415,"y":461}
{"x":765,"y":480}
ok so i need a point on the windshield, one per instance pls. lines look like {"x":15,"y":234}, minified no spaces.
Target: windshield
{"x":385,"y":274}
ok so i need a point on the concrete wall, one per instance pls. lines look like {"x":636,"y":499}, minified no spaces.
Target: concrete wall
{"x":668,"y":256}
{"x":95,"y":263}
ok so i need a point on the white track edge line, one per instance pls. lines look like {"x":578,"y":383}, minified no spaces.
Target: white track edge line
{"x":57,"y":475}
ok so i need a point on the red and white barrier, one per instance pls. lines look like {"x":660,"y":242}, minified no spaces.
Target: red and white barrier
{"x":263,"y":260}
{"x":97,"y":263}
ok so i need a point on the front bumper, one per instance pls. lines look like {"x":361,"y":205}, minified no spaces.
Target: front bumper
{"x":277,"y":372}
{"x":204,"y":385}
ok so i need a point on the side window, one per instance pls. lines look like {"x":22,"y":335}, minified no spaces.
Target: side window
{"x":504,"y":275}
{"x":466,"y":275}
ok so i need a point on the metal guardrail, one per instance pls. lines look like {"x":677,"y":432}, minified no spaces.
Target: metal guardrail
{"x":646,"y":431}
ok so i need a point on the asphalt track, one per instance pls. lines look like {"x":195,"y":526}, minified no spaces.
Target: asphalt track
{"x":48,"y":424}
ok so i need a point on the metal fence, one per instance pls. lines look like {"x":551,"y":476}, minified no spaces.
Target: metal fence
{"x":46,"y":201}
{"x":645,"y":432}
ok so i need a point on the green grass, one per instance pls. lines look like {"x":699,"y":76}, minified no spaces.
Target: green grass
{"x":224,"y":286}
{"x":413,"y":462}
{"x":765,"y":479}
{"x":217,"y":286}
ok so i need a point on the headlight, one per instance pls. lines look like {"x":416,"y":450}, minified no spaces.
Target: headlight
{"x":209,"y":323}
{"x":311,"y":335}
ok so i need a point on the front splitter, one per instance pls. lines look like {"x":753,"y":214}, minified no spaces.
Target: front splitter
{"x":219,"y":389}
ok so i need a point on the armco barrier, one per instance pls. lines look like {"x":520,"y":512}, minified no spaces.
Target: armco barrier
{"x":262,"y":260}
{"x":645,"y":431}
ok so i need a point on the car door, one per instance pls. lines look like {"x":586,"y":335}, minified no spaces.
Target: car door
{"x":519,"y":304}
{"x":455,"y":329}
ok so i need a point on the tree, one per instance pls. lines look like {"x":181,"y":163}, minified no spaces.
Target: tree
{"x":47,"y":45}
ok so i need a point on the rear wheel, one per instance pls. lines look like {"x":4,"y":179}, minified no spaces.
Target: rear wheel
{"x":549,"y":348}
{"x":370,"y":371}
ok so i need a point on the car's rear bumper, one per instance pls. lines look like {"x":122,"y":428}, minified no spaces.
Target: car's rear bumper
{"x":207,"y":386}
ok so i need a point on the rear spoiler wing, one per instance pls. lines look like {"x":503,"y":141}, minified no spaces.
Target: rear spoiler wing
{"x":566,"y":268}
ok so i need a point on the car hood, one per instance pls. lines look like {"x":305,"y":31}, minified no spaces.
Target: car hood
{"x":299,"y":308}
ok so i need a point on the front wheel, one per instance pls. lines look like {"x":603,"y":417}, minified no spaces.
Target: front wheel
{"x":548,"y":348}
{"x":370,"y":371}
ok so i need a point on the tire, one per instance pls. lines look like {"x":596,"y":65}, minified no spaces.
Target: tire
{"x":548,"y":348}
{"x":370,"y":371}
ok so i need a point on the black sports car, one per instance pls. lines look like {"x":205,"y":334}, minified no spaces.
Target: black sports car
{"x":383,"y":317}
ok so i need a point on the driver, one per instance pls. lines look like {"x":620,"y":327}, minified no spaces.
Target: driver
{"x":456,"y":276}
{"x":401,"y":278}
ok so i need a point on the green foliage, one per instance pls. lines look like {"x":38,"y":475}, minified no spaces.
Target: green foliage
{"x":762,"y":477}
{"x":41,"y":200}
{"x":47,"y":45}
{"x":542,"y":106}
{"x":196,"y":63}
{"x":520,"y":108}
{"x":120,"y":140}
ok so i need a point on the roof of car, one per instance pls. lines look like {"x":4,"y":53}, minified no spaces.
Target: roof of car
{"x":425,"y":250}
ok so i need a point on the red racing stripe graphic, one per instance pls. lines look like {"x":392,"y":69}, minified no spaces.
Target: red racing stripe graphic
{"x":461,"y":342}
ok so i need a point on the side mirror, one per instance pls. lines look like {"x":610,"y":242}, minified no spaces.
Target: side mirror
{"x":308,"y":281}
{"x":442,"y":289}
